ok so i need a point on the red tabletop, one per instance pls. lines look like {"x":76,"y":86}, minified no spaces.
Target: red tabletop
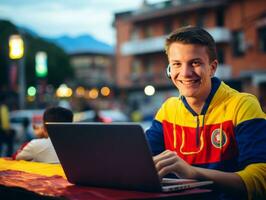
{"x":57,"y":186}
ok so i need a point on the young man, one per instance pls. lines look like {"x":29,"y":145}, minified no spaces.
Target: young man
{"x":211,"y":131}
{"x":41,"y":149}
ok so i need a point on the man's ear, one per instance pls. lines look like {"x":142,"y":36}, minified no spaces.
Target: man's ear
{"x":213,"y":65}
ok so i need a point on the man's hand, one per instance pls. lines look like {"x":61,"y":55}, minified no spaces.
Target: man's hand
{"x":169,"y":162}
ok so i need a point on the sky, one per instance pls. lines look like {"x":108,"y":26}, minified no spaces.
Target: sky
{"x":53,"y":18}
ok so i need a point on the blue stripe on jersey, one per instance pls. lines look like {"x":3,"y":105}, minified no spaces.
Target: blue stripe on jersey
{"x":215,"y":85}
{"x":155,"y":137}
{"x":251,"y":140}
{"x":223,"y":165}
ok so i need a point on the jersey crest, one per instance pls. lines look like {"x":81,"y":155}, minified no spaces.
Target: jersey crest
{"x":218,"y":138}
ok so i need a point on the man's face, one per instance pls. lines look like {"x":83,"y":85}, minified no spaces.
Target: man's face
{"x":191,"y":70}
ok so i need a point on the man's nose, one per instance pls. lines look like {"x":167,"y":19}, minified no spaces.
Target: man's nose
{"x":186,"y":70}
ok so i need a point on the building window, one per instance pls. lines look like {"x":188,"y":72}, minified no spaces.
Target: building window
{"x":200,"y":19}
{"x":220,"y":55}
{"x":238,"y":43}
{"x":184,"y":21}
{"x":262,"y":39}
{"x":135,"y":34}
{"x":148,"y":68}
{"x":220,"y":17}
{"x":99,"y":61}
{"x":82,"y":61}
{"x":135,"y":70}
{"x":168,"y":28}
{"x":147,"y":31}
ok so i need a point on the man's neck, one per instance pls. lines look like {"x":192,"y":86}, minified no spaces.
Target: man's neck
{"x":196,"y":104}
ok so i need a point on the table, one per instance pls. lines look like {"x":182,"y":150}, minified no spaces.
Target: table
{"x":31,"y":180}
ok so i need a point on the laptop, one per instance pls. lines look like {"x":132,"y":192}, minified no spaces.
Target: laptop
{"x":114,"y":155}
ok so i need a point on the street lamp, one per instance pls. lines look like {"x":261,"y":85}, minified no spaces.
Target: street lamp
{"x":64,"y":91}
{"x":16,"y":47}
{"x":16,"y":52}
{"x":149,"y":90}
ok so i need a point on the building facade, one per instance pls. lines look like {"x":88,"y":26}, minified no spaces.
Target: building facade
{"x":238,"y":27}
{"x":94,"y":83}
{"x":93,"y":69}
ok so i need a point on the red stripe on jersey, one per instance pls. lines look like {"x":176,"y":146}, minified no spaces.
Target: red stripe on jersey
{"x":211,"y":151}
{"x":14,"y":156}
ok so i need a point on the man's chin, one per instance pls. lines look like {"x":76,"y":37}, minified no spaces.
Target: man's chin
{"x":188,"y":94}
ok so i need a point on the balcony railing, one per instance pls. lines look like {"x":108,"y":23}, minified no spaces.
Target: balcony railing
{"x":220,"y":34}
{"x":156,"y":44}
{"x":224,"y":71}
{"x":149,"y":45}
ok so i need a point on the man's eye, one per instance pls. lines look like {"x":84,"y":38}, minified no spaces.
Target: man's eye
{"x":196,"y":63}
{"x":175,"y":65}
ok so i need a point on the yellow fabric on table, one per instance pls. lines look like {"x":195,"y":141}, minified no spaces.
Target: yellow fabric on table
{"x":32,"y":167}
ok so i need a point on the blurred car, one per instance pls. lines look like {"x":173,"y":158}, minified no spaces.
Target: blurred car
{"x":20,"y":118}
{"x":113,"y":115}
{"x":106,"y":116}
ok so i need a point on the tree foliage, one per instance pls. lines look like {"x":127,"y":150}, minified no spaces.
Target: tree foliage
{"x":59,"y":68}
{"x":6,"y":29}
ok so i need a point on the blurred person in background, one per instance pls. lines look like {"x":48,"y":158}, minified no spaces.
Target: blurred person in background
{"x":41,"y":149}
{"x":26,"y":126}
{"x":7,"y":135}
{"x":97,"y":117}
{"x":211,"y":131}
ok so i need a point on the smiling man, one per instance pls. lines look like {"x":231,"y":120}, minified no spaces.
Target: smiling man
{"x":211,"y":131}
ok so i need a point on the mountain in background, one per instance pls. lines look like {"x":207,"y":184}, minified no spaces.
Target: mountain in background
{"x":23,"y":29}
{"x":82,"y":44}
{"x":79,"y":44}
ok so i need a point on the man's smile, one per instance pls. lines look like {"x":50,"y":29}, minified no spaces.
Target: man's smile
{"x":189,"y":82}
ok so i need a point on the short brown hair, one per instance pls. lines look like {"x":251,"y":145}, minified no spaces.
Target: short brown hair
{"x":192,"y":35}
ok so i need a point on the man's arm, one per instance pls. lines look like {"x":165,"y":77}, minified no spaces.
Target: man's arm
{"x":169,"y":162}
{"x":254,"y":177}
{"x":25,"y":152}
{"x":155,"y":137}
